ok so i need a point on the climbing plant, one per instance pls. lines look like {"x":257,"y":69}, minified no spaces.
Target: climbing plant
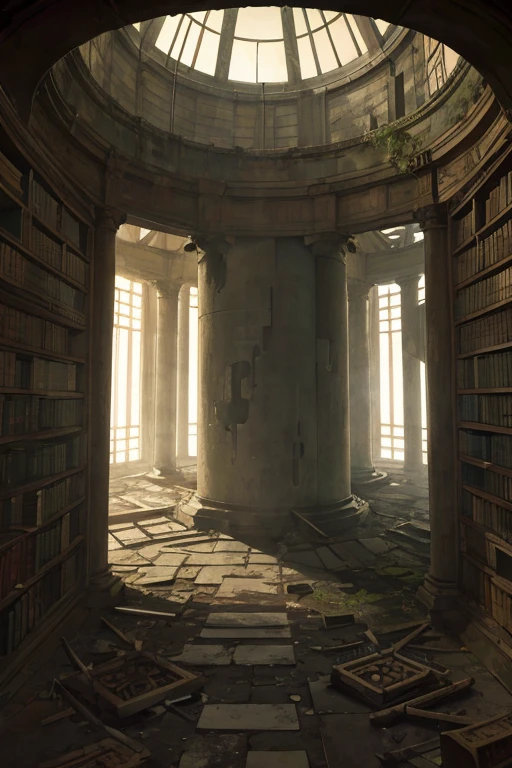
{"x":400,"y":146}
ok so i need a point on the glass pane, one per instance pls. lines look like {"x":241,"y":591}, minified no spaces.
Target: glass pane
{"x":396,"y":325}
{"x":166,"y":36}
{"x":357,"y":34}
{"x":180,"y":38}
{"x":385,"y":430}
{"x":215,"y":20}
{"x":324,"y":50}
{"x":121,"y":445}
{"x":272,"y":63}
{"x":386,"y":441}
{"x":133,"y":455}
{"x":208,"y":52}
{"x":189,"y":50}
{"x":386,"y":453}
{"x":385,"y":407}
{"x":343,"y":41}
{"x":243,"y":62}
{"x":381,"y":25}
{"x":306,"y":58}
{"x":315,"y":18}
{"x":134,"y":431}
{"x":193,"y":378}
{"x":398,"y":455}
{"x":137,"y":287}
{"x":300,"y":24}
{"x":330,"y":15}
{"x":450,"y":59}
{"x":259,"y":24}
{"x":137,"y":26}
{"x":198,"y":15}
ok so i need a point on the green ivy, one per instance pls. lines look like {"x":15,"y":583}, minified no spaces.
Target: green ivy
{"x":399,"y":145}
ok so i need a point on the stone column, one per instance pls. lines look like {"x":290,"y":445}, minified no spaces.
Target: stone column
{"x":411,"y":373}
{"x":102,"y":314}
{"x":273,"y":406}
{"x":439,"y":591}
{"x":361,"y":462}
{"x":166,"y":377}
{"x":375,"y":371}
{"x":183,"y":369}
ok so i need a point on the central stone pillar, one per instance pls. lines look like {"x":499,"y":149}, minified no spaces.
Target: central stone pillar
{"x":413,"y":456}
{"x":439,"y":591}
{"x":362,"y":469}
{"x":166,"y":378}
{"x":273,"y":432}
{"x":183,"y":370}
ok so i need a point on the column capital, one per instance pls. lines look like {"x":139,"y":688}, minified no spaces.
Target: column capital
{"x":167,"y":289}
{"x":109,"y":218}
{"x":213,"y":243}
{"x":358,"y":289}
{"x":215,"y":250}
{"x":432,"y":216}
{"x":333,"y":245}
{"x":408,"y":279}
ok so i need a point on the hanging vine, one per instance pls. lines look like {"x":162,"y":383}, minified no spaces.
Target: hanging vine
{"x":399,"y":145}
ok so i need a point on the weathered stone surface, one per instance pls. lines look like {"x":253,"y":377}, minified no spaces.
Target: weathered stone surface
{"x":170,"y":558}
{"x":233,"y":619}
{"x":249,"y":717}
{"x":216,"y":558}
{"x":127,"y":557}
{"x":329,"y":560}
{"x":252,"y":655}
{"x":156,"y":575}
{"x":245,"y":633}
{"x":131,"y":536}
{"x":258,"y":558}
{"x":204,"y":655}
{"x":234,"y":587}
{"x":295,"y":759}
{"x":230,"y":546}
{"x":377,"y":546}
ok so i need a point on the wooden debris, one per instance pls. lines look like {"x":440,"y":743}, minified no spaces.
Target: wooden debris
{"x":433,"y":649}
{"x":487,"y":744}
{"x":58,"y":716}
{"x":338,"y":620}
{"x":387,"y":717}
{"x":77,"y":663}
{"x":121,"y":635}
{"x":103,"y":754}
{"x":408,"y":638}
{"x":442,"y":717}
{"x":380,"y":677}
{"x":144,"y":612}
{"x":139,"y":680}
{"x":308,"y":522}
{"x":345,"y":647}
{"x":397,"y":756}
{"x":371,"y":637}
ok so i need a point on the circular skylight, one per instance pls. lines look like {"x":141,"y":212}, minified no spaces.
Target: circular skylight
{"x":264,"y":45}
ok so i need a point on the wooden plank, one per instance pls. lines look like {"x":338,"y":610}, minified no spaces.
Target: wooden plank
{"x":411,"y":636}
{"x":386,"y":717}
{"x":442,"y":717}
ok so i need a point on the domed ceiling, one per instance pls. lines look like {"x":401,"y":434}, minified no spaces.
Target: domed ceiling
{"x":265,"y":45}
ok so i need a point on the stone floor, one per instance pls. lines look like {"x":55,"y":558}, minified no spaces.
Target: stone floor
{"x":264,"y":651}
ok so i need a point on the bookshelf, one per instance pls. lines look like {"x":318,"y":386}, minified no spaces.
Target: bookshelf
{"x":45,"y":249}
{"x":481,"y":248}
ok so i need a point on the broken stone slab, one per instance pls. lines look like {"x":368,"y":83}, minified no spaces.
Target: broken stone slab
{"x":245,"y":633}
{"x":259,"y":558}
{"x":356,"y":549}
{"x":345,"y":554}
{"x":204,"y":655}
{"x":249,"y":717}
{"x":170,"y":558}
{"x":155,"y":574}
{"x":216,"y":558}
{"x":233,"y":619}
{"x":127,"y":557}
{"x":131,"y":536}
{"x":223,"y":545}
{"x":329,"y":559}
{"x":155,"y":530}
{"x":295,"y":759}
{"x":309,"y":558}
{"x":113,"y":543}
{"x":154,"y":521}
{"x":377,"y":546}
{"x":189,"y":572}
{"x":231,"y":587}
{"x":214,"y":574}
{"x":263,"y":655}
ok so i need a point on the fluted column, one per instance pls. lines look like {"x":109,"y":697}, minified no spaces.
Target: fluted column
{"x":411,"y":373}
{"x":183,"y":369}
{"x":439,"y":591}
{"x":102,"y":313}
{"x":361,"y":462}
{"x":166,"y":377}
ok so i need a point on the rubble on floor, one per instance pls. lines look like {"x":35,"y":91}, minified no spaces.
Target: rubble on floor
{"x":232,"y":654}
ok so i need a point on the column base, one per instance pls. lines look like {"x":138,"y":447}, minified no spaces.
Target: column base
{"x":165,"y":473}
{"x":442,"y":600}
{"x":258,"y":523}
{"x":104,"y":590}
{"x":367,"y":477}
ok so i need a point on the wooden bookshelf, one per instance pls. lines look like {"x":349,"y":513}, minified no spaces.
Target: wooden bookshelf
{"x":45,"y":253}
{"x":481,"y":249}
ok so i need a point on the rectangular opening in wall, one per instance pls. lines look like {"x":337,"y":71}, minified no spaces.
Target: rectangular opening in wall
{"x":391,"y":376}
{"x":126,"y":372}
{"x":423,"y":382}
{"x":399,"y":96}
{"x":192,"y":379}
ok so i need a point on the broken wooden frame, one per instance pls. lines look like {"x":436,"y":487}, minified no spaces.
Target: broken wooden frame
{"x":108,"y":752}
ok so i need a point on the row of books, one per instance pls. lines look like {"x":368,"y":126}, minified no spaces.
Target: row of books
{"x":488,"y":514}
{"x":486,"y":409}
{"x":34,"y":508}
{"x":494,"y":370}
{"x":21,"y":463}
{"x":499,"y":197}
{"x":24,"y":557}
{"x":75,"y":267}
{"x":33,"y":331}
{"x":494,"y":448}
{"x":44,"y":205}
{"x":488,"y":331}
{"x":463,"y":228}
{"x":480,"y":295}
{"x":487,"y":480}
{"x":54,"y":376}
{"x":19,"y":270}
{"x":24,"y":414}
{"x":47,"y":249}
{"x":487,"y":252}
{"x":72,"y":229}
{"x":23,"y":616}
